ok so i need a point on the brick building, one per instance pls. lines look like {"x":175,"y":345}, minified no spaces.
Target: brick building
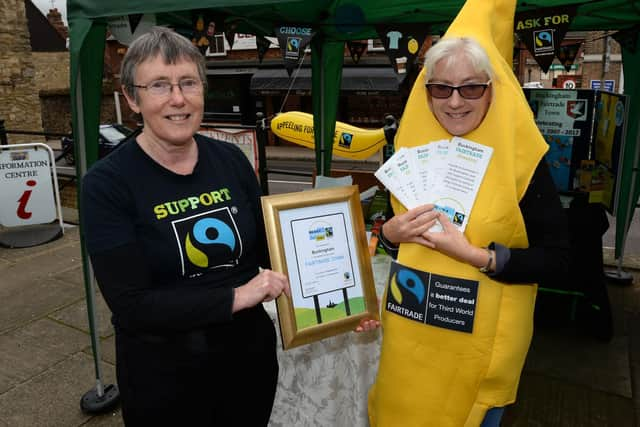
{"x":239,"y":85}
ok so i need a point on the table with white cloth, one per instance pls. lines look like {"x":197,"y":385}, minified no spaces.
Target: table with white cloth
{"x":326,"y":382}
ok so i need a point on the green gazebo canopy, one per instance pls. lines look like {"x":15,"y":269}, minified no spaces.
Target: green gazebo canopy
{"x":335,"y":21}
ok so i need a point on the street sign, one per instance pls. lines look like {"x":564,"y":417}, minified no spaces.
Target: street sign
{"x":609,"y":85}
{"x":569,"y":84}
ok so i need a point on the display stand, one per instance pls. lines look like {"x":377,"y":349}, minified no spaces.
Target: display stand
{"x":30,"y":211}
{"x":618,"y":275}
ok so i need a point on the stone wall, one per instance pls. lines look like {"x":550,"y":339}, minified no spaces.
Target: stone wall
{"x":19,"y":101}
{"x":52,"y":70}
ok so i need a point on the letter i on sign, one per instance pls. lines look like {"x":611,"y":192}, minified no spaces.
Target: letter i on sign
{"x":23,"y":200}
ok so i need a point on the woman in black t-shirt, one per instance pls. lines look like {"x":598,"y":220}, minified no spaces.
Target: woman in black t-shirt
{"x":173,"y":225}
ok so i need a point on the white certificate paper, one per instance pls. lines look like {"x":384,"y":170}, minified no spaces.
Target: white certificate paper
{"x":323,"y":254}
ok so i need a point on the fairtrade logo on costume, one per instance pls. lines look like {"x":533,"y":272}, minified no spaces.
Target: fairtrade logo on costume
{"x":411,"y":283}
{"x":432,"y":299}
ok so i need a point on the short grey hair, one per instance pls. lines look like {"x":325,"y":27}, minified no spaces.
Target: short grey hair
{"x":447,"y":48}
{"x":169,"y":45}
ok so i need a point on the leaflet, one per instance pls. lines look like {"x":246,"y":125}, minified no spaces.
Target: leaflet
{"x":425,"y":174}
{"x":458,"y":185}
{"x":396,"y":174}
{"x":445,"y":173}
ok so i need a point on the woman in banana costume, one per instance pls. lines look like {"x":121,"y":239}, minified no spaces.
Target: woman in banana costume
{"x":437,"y":373}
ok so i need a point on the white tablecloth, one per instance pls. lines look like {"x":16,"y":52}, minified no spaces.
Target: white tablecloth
{"x":326,"y":383}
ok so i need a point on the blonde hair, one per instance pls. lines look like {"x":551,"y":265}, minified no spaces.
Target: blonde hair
{"x":446,"y":49}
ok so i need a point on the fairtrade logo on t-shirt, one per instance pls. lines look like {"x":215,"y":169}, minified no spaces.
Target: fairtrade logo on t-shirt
{"x":207,"y":241}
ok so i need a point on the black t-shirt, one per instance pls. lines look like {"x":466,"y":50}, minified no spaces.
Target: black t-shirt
{"x":182,"y":241}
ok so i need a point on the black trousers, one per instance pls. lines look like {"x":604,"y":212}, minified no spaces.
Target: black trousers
{"x":200,"y":378}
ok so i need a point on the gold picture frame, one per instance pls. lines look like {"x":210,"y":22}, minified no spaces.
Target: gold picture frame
{"x":317,"y":239}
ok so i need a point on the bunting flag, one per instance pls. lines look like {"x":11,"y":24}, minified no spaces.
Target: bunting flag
{"x":127,"y":28}
{"x":402,"y":43}
{"x":207,"y":33}
{"x":628,"y":38}
{"x":356,"y":49}
{"x":230,"y":32}
{"x":542,"y":31}
{"x":262,"y":45}
{"x":134,"y":20}
{"x":567,"y":54}
{"x":292,"y":40}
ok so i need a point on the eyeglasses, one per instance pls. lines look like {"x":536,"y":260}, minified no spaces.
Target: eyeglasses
{"x":164,"y":87}
{"x":469,"y":91}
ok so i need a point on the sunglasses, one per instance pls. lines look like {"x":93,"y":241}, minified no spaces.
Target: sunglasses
{"x":469,"y":91}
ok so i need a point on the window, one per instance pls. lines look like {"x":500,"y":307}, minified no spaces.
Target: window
{"x":375,"y":45}
{"x":217,"y":45}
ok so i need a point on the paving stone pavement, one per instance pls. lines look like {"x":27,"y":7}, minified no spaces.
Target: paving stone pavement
{"x":46,"y":361}
{"x":46,"y":365}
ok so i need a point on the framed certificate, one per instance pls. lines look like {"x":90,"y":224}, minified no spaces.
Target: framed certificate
{"x":317,"y":238}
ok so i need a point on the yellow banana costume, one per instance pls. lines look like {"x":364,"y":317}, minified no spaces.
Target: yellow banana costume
{"x":431,"y":376}
{"x":349,"y":141}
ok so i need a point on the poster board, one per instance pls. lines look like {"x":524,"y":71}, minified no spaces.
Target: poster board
{"x":608,"y":139}
{"x":585,"y":130}
{"x":243,"y":138}
{"x":565,"y":119}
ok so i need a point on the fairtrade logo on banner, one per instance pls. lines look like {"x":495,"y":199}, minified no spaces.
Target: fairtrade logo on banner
{"x":402,"y":43}
{"x":543,"y":42}
{"x":293,"y":40}
{"x":293,"y":47}
{"x":542,"y":32}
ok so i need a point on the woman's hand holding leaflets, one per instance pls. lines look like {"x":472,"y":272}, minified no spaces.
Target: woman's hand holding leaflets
{"x":409,"y":227}
{"x":450,"y":241}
